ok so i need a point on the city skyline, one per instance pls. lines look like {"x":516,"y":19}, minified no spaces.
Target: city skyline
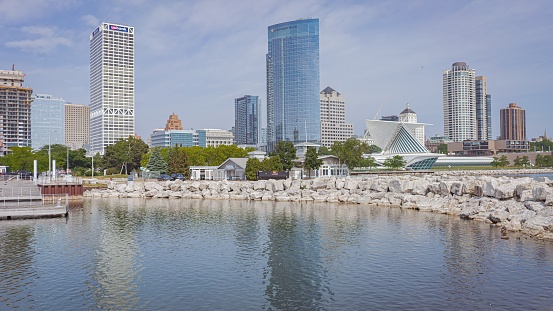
{"x":380,"y":55}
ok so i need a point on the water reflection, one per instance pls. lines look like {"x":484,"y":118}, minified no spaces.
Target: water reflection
{"x":117,"y":264}
{"x":238,"y":255}
{"x":295,"y":271}
{"x":16,"y":265}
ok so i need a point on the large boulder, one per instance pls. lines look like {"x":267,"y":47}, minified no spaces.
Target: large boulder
{"x":540,"y":192}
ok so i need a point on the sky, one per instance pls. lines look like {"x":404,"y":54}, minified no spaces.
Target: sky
{"x":193,"y":58}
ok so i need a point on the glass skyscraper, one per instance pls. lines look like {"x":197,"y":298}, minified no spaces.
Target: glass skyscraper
{"x":483,"y":109}
{"x":247,"y":120}
{"x":293,"y":102}
{"x":111,"y":85}
{"x":47,"y":121}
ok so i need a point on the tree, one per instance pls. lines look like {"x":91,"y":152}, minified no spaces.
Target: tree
{"x":286,"y":152}
{"x":312,"y":161}
{"x":156,"y":163}
{"x":178,"y":161}
{"x":543,"y":145}
{"x":124,"y":154}
{"x":442,"y":148}
{"x":374,"y":149}
{"x":369,"y":162}
{"x":394,"y":162}
{"x":350,"y":152}
{"x":19,"y":158}
{"x":271,"y":164}
{"x":504,"y":161}
{"x":500,"y":162}
{"x":323,"y":150}
{"x":522,"y":161}
{"x":252,"y":166}
{"x":544,"y":160}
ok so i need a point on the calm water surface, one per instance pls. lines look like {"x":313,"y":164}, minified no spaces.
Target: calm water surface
{"x":221,"y":255}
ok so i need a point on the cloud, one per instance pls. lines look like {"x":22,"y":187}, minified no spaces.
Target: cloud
{"x":49,"y":38}
{"x":17,"y":10}
{"x":90,"y":20}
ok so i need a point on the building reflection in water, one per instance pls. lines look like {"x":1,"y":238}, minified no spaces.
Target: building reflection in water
{"x":16,"y":265}
{"x":295,"y":273}
{"x":117,"y":267}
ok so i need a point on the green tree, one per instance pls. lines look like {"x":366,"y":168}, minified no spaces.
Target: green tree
{"x":19,"y":158}
{"x":323,"y":150}
{"x":286,"y":152}
{"x":350,"y":152}
{"x":271,"y":164}
{"x":178,"y":161}
{"x":442,"y":148}
{"x":394,"y":162}
{"x":544,"y":160}
{"x":543,"y":145}
{"x":252,"y":166}
{"x":522,"y":161}
{"x":312,"y":161}
{"x":369,"y":162}
{"x":374,"y":149}
{"x":125,"y":155}
{"x":156,"y":163}
{"x":500,"y":162}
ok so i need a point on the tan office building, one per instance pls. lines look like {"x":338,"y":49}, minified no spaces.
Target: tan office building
{"x":333,"y":118}
{"x":77,"y":126}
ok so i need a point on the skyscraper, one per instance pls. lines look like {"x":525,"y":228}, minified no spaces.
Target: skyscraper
{"x":77,"y":126}
{"x":47,"y":121}
{"x":483,"y":109}
{"x":513,"y":122}
{"x":459,"y":103}
{"x":111,"y":85}
{"x":333,"y":118}
{"x":293,"y":103}
{"x":247,"y":120}
{"x":15,"y":107}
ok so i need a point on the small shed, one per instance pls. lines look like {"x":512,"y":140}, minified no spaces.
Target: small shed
{"x":231,"y":169}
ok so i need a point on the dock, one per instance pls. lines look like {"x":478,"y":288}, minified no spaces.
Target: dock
{"x":31,"y":212}
{"x":25,"y":200}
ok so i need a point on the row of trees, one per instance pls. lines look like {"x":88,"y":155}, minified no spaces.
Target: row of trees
{"x":172,"y":160}
{"x":130,"y":154}
{"x":523,"y":161}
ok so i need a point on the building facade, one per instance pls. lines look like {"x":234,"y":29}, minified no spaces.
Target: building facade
{"x":483,"y":109}
{"x":487,"y":147}
{"x":247,"y":120}
{"x":459,"y":103}
{"x":409,"y":116}
{"x":333,"y":118}
{"x":47,"y":121}
{"x":293,"y":103}
{"x":111,"y":85}
{"x":173,"y":123}
{"x":513,"y":122}
{"x":214,"y":138}
{"x":15,"y":107}
{"x":173,"y":138}
{"x":77,"y":126}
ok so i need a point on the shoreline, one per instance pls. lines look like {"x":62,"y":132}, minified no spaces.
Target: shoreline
{"x":516,"y":204}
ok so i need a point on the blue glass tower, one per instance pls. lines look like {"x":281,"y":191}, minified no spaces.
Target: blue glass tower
{"x":293,"y":100}
{"x":47,"y":121}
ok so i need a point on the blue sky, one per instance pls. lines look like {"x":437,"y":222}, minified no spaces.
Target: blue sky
{"x":193,"y":58}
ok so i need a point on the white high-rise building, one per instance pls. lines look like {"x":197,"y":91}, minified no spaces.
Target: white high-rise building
{"x":111,"y":85}
{"x":333,"y":118}
{"x":459,"y":103}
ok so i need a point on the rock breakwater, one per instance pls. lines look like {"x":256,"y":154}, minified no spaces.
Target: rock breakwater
{"x":516,"y":204}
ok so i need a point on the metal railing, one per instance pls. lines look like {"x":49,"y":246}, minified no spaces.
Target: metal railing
{"x":70,"y":180}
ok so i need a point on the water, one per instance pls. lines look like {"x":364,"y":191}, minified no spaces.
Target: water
{"x":221,"y":255}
